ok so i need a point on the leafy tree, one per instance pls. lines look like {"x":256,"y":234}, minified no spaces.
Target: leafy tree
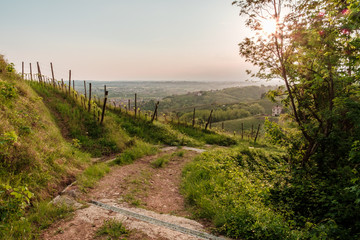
{"x":315,"y":50}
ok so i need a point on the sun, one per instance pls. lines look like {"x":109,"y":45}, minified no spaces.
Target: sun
{"x":269,"y":26}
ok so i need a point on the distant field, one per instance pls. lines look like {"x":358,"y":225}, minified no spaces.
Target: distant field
{"x":146,"y":90}
{"x":235,"y":125}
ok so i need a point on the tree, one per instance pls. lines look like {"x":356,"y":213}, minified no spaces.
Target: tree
{"x":314,"y":49}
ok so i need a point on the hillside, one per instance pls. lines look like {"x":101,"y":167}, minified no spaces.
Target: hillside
{"x":210,"y":99}
{"x":49,"y":139}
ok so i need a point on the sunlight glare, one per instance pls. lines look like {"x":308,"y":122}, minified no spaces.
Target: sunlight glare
{"x":269,"y":26}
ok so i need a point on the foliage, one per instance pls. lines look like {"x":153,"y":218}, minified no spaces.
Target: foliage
{"x":7,"y":91}
{"x":13,"y":201}
{"x":10,"y":68}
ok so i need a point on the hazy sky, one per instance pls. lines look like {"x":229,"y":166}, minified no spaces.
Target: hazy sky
{"x":125,"y":39}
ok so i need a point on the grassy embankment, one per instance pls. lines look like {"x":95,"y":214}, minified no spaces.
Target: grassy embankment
{"x":35,"y":160}
{"x":231,"y":187}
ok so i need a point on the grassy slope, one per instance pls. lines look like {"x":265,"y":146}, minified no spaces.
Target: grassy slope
{"x":36,"y":154}
{"x":230,"y":187}
{"x":35,"y":160}
{"x":235,"y":125}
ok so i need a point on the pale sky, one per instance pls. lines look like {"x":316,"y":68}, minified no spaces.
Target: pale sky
{"x":126,"y":39}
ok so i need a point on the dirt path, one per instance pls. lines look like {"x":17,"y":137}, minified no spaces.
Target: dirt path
{"x":141,"y":188}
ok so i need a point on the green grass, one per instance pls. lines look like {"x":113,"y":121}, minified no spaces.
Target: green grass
{"x":91,"y":175}
{"x":155,"y":133}
{"x":35,"y":160}
{"x":205,"y":136}
{"x":161,"y":161}
{"x":138,"y":150}
{"x":78,"y":123}
{"x":112,"y":229}
{"x":230,"y":187}
{"x":180,"y":153}
{"x":40,"y":217}
{"x":249,"y":123}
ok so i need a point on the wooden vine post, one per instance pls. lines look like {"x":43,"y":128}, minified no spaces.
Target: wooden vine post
{"x":69,"y":82}
{"x":135,"y":106}
{"x":193,"y":119}
{"x":209,"y":119}
{"x":52,"y":74}
{"x":22,"y":70}
{"x":210,"y":122}
{"x":155,"y":111}
{"x":104,"y":107}
{"x":222,"y":126}
{"x":257,"y":132}
{"x":242,"y":130}
{"x":39,"y":72}
{"x":85,"y":90}
{"x":89,"y":106}
{"x":31,"y":73}
{"x":104,"y":93}
{"x":129,"y":106}
{"x":74,"y":88}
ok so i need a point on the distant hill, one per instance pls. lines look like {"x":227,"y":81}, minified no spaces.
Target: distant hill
{"x":209,"y":99}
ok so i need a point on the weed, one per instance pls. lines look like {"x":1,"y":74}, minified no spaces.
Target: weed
{"x":130,"y":198}
{"x":112,"y":229}
{"x":179,"y":153}
{"x":161,"y":161}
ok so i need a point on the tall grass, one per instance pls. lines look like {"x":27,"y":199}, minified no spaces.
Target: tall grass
{"x":230,"y":187}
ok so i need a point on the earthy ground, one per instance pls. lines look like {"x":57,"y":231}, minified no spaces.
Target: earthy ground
{"x":139,"y":187}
